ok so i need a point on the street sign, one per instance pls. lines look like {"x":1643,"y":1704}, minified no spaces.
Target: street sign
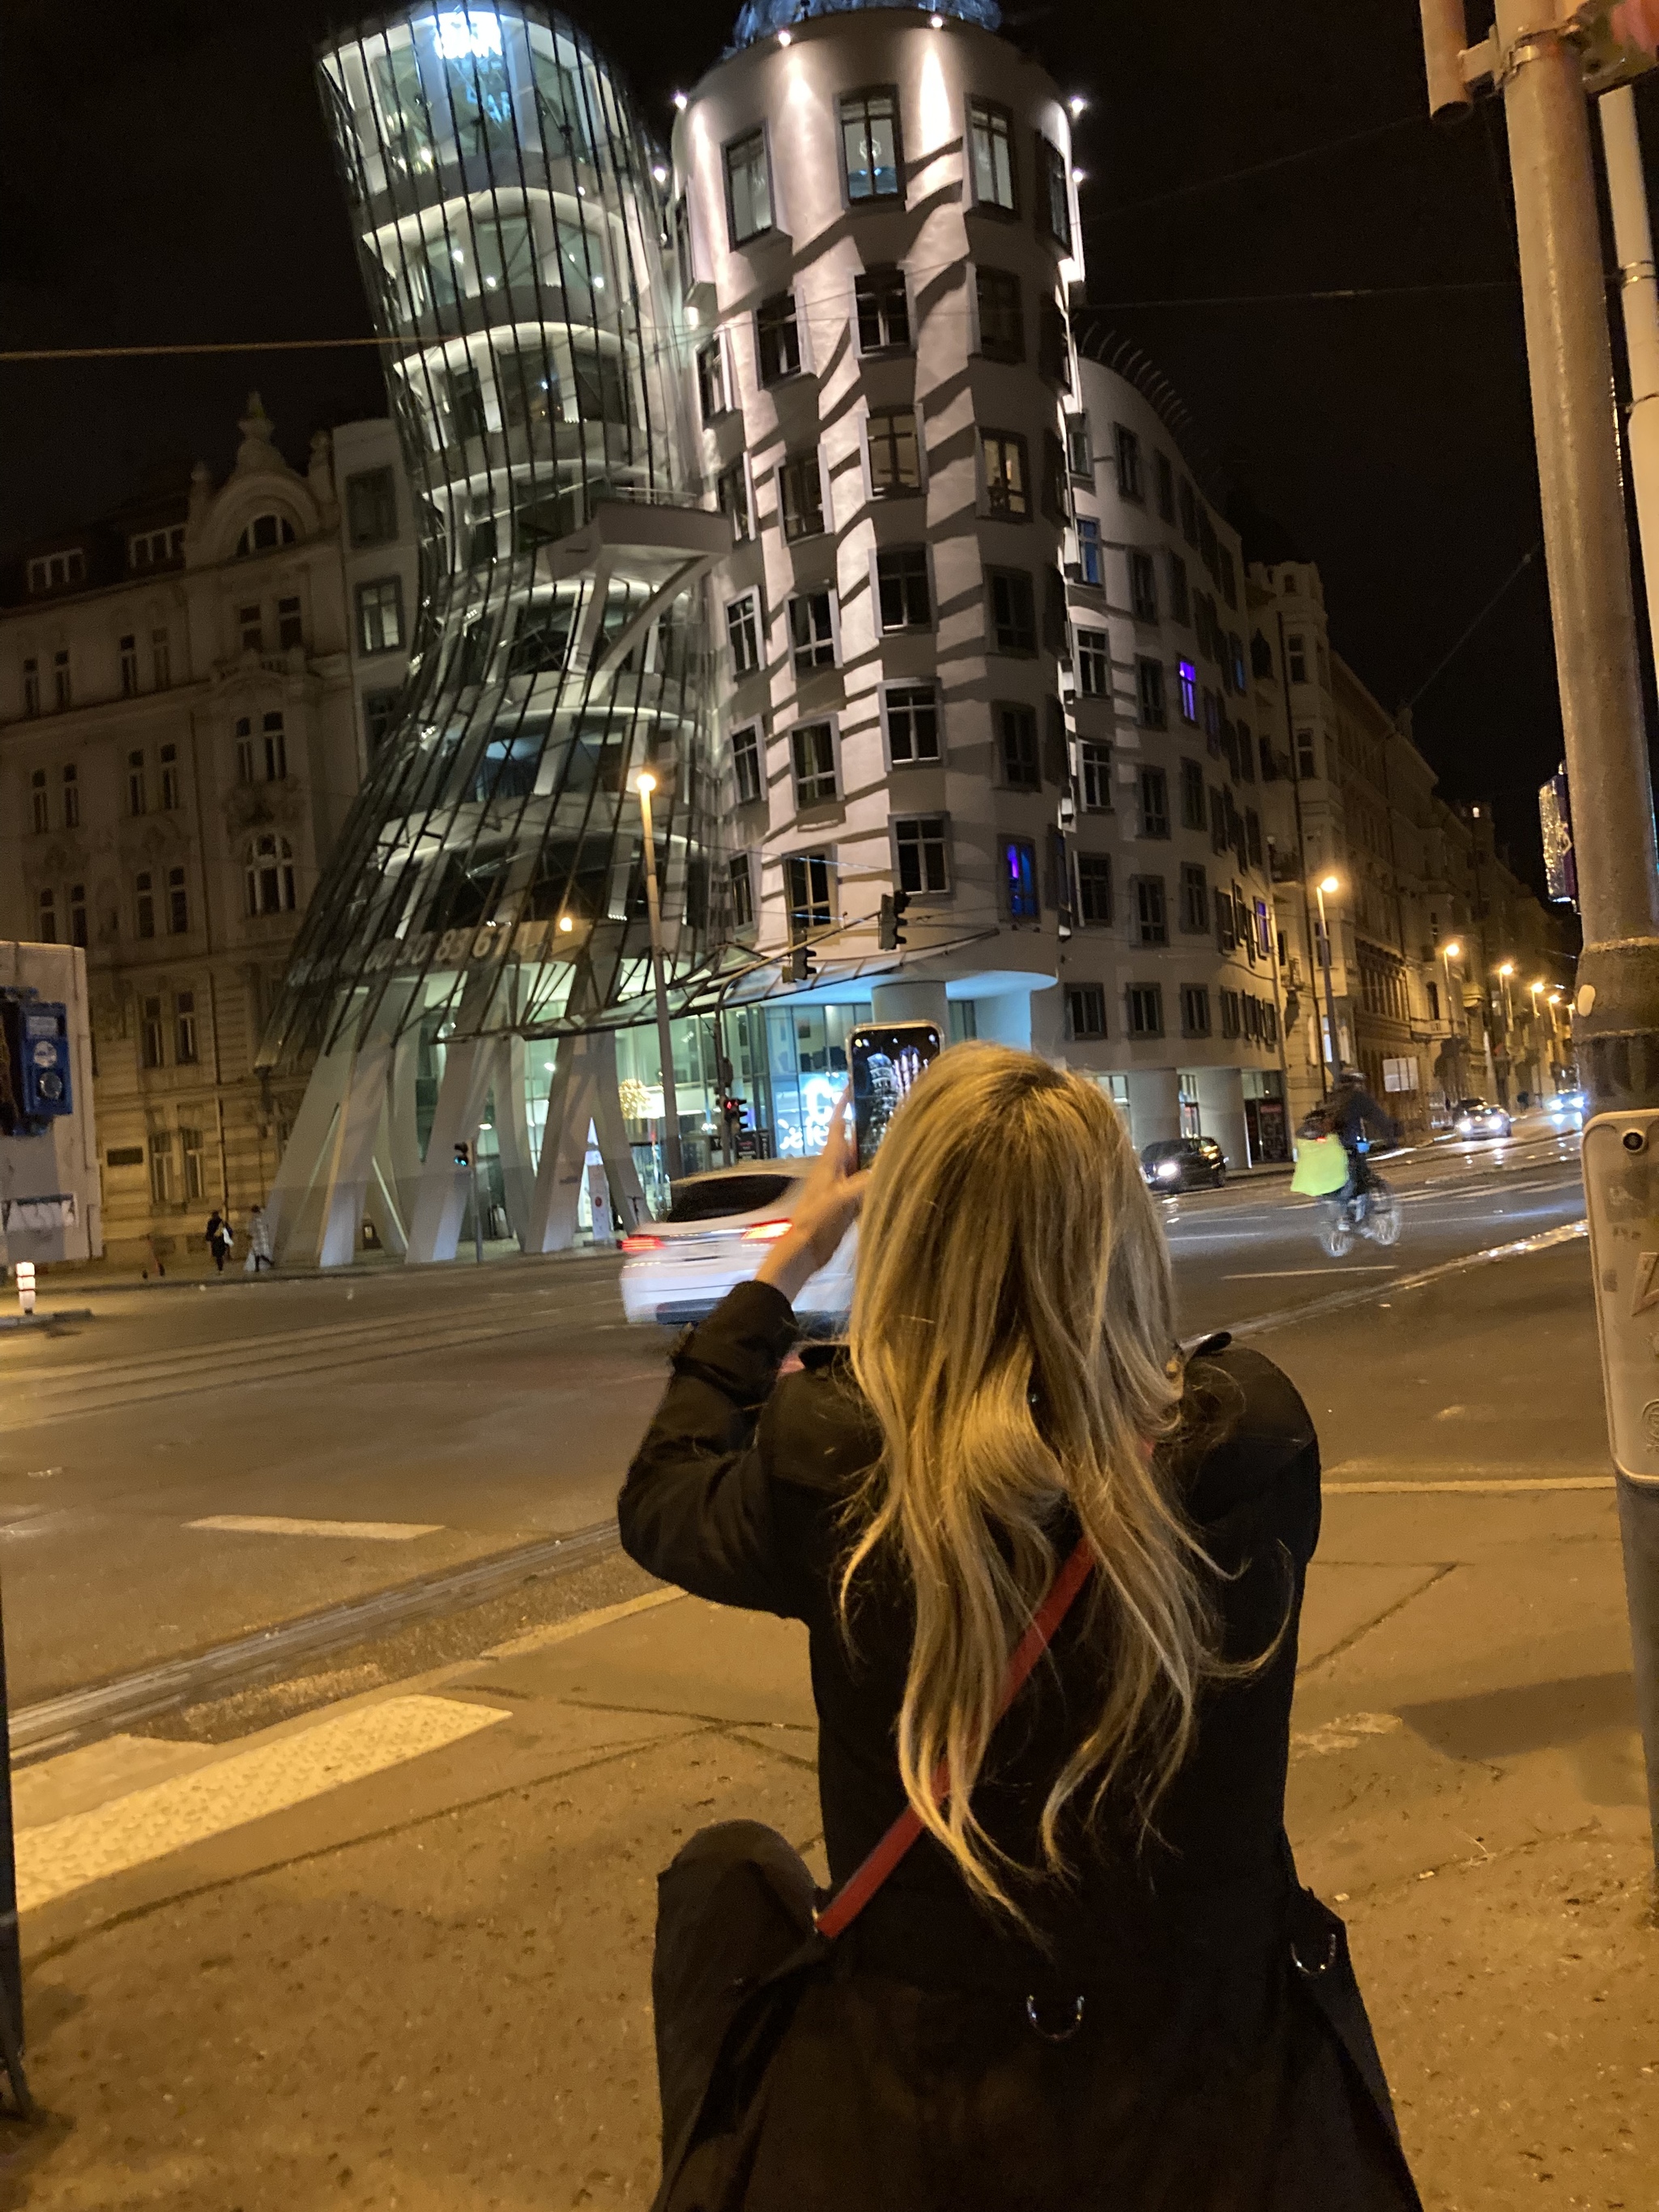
{"x":1621,"y":1185}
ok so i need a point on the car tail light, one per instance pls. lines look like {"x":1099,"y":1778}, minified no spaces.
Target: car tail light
{"x":643,"y":1243}
{"x":767,"y":1232}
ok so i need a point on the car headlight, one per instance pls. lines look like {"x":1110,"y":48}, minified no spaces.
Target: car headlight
{"x":1464,"y":1126}
{"x":1168,"y":1169}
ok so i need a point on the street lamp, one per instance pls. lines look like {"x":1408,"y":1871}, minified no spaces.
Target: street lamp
{"x":1458,"y":1032}
{"x":644,"y":783}
{"x":1332,"y":884}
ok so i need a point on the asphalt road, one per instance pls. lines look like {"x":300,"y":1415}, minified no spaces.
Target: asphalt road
{"x":395,"y":1427}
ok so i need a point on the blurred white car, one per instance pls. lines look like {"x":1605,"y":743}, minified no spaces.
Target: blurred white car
{"x":716,"y":1233}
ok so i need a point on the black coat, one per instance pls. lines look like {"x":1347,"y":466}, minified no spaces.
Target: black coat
{"x":911,"y":2076}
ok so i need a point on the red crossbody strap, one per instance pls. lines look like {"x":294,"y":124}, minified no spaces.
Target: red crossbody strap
{"x":861,"y":1886}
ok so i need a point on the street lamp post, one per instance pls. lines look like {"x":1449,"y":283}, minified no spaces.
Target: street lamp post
{"x":644,"y":783}
{"x":1333,"y":1055}
{"x":1457,"y":1031}
{"x":1505,"y":970}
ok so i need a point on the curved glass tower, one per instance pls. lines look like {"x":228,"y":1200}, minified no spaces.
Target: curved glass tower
{"x":489,"y":881}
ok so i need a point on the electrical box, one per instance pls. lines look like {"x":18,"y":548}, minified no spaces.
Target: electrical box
{"x":36,"y":1084}
{"x":51,"y":1206}
{"x":1621,"y":1189}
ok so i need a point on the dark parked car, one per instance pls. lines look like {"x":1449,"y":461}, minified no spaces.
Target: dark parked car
{"x":1184,"y":1163}
{"x":1475,"y":1117}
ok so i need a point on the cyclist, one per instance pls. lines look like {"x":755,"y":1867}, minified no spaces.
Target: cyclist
{"x":1354,"y":1111}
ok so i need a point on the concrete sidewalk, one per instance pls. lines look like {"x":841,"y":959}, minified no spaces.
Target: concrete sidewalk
{"x":394,"y":1951}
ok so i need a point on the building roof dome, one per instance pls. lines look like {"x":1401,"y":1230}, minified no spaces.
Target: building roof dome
{"x":759,"y":19}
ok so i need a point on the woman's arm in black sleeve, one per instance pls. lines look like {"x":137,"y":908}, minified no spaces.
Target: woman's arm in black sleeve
{"x":696,"y":1508}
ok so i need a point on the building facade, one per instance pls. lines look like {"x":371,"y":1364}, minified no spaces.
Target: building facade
{"x":182,"y":690}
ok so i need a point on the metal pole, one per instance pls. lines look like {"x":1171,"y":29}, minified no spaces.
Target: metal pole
{"x":1639,"y":295}
{"x":478,"y":1210}
{"x":1333,"y":1052}
{"x":646,"y":784}
{"x":1571,"y":365}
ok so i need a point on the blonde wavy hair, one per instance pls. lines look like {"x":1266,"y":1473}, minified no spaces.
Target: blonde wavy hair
{"x":1013,"y":1329}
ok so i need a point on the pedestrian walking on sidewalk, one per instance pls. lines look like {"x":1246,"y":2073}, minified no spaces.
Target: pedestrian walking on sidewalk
{"x":1065,"y":1962}
{"x":258,"y":1239}
{"x":220,"y":1237}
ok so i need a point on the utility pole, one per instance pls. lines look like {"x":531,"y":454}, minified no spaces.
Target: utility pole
{"x":644,"y":783}
{"x":1638,"y":294}
{"x":1333,"y":1050}
{"x":1537,"y":57}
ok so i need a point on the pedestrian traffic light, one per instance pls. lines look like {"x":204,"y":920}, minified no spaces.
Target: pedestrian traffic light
{"x":894,"y":906}
{"x":732,"y":1109}
{"x":803,"y":964}
{"x":463,"y":1156}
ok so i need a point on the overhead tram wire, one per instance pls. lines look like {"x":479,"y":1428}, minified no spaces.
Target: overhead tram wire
{"x":1258,"y":169}
{"x":1448,"y":656}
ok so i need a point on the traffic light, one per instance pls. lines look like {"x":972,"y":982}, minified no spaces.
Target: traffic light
{"x":732,"y":1109}
{"x":803,"y":964}
{"x":463,"y":1156}
{"x":894,"y":906}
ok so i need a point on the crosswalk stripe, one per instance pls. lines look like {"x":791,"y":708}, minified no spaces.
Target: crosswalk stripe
{"x":278,"y":1524}
{"x":66,"y":1855}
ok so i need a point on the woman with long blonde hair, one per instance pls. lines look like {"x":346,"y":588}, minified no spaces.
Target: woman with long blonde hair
{"x":1080,"y":1988}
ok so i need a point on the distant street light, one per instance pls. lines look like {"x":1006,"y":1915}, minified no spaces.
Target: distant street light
{"x":644,"y":783}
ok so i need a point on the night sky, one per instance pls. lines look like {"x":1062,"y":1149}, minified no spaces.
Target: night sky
{"x":165,"y":177}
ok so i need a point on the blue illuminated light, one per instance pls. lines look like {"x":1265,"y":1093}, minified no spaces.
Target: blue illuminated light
{"x":465,"y":35}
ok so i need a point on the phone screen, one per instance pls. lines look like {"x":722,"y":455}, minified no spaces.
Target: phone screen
{"x":886,"y":1062}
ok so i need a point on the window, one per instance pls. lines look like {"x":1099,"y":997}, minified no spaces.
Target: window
{"x":38,"y":800}
{"x":991,"y":156}
{"x":1094,"y":889}
{"x":1151,"y":923}
{"x":1085,"y":1010}
{"x":923,"y":847}
{"x":732,"y":495}
{"x":712,"y":391}
{"x":178,"y":903}
{"x":1013,"y":609}
{"x":1154,"y":792}
{"x":1307,"y":760}
{"x":895,"y":452}
{"x":55,"y":571}
{"x":152,"y":1035}
{"x":169,"y":778}
{"x":160,"y":1168}
{"x":1095,"y":765}
{"x":1194,"y":1011}
{"x":161,"y":659}
{"x":1089,"y":567}
{"x":380,"y":614}
{"x":1017,"y":748}
{"x":78,"y":914}
{"x":1080,"y":461}
{"x":1143,"y":587}
{"x":1001,"y":318}
{"x":1236,"y":661}
{"x":1006,"y":480}
{"x":747,"y":771}
{"x":777,"y":339}
{"x":1019,"y":874}
{"x":806,"y":883}
{"x":1149,"y":694}
{"x":265,"y":533}
{"x":812,"y":749}
{"x":883,"y":310}
{"x":63,"y":695}
{"x":1181,"y":597}
{"x":1433,"y":990}
{"x":1195,"y":902}
{"x":870,"y":145}
{"x":250,"y":627}
{"x":1054,"y":193}
{"x":1296,"y":652}
{"x":31,"y":687}
{"x":144,"y":898}
{"x":1226,"y":925}
{"x":901,"y":588}
{"x":800,"y":496}
{"x":151,"y":549}
{"x":1264,"y":943}
{"x":136,"y":797}
{"x":743,"y":634}
{"x":1126,"y":449}
{"x":1193,"y":813}
{"x":275,"y":749}
{"x":1094,"y":664}
{"x":189,"y":1142}
{"x":371,"y":505}
{"x":912,"y":713}
{"x":72,"y":794}
{"x":244,"y":750}
{"x":1230,"y":1023}
{"x":269,"y":875}
{"x":740,"y":891}
{"x":748,"y":187}
{"x":1144,"y":1004}
{"x":290,"y":631}
{"x":380,"y":716}
{"x":46,"y":922}
{"x":129,"y":666}
{"x":813,"y":631}
{"x":1186,"y":685}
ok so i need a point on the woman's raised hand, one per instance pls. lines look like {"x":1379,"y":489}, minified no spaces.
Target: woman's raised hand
{"x":829,"y":1203}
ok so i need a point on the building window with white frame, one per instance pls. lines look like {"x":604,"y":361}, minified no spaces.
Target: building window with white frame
{"x":894,"y":451}
{"x":380,"y":614}
{"x":1150,"y":921}
{"x":1001,"y":315}
{"x":1144,"y":1007}
{"x":712,"y":392}
{"x":809,"y":891}
{"x":1186,"y":690}
{"x":743,"y":634}
{"x":1094,"y":890}
{"x":922,"y":845}
{"x":1085,"y":1011}
{"x":883,"y":308}
{"x":275,"y":748}
{"x":265,"y":533}
{"x":38,"y":801}
{"x":78,"y":917}
{"x":71,"y":783}
{"x":748,"y":187}
{"x":1019,"y":878}
{"x":872,"y":160}
{"x":731,"y":497}
{"x":31,"y":689}
{"x":268,"y":875}
{"x":1094,"y":664}
{"x":1194,"y":1011}
{"x":250,"y":629}
{"x":137,"y":797}
{"x":371,"y":505}
{"x":62,"y":690}
{"x":1296,"y":657}
{"x":1194,"y":900}
{"x":777,"y":338}
{"x":813,"y":631}
{"x":912,"y":715}
{"x":1125,"y":449}
{"x":1091,"y":568}
{"x":1154,"y":794}
{"x":1014,"y":610}
{"x":1095,"y":774}
{"x":1018,"y":756}
{"x":143,"y":902}
{"x":184,"y":1028}
{"x":1149,"y":694}
{"x":178,"y":903}
{"x":748,"y":766}
{"x":190,"y":1144}
{"x":161,"y":658}
{"x":129,"y":651}
{"x":46,"y":920}
{"x":903,"y":598}
{"x":1008,"y":478}
{"x":290,"y":624}
{"x":1143,"y":587}
{"x":740,"y":891}
{"x":170,"y":798}
{"x":812,"y":751}
{"x":1055,"y":194}
{"x":1194,"y":812}
{"x":991,"y":156}
{"x":800,"y":496}
{"x":161,"y":1179}
{"x":152,"y":1033}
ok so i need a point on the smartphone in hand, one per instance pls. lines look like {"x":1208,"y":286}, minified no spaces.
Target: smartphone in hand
{"x":887,"y":1058}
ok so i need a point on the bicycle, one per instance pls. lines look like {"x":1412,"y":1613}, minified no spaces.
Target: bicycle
{"x":1373,"y":1211}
